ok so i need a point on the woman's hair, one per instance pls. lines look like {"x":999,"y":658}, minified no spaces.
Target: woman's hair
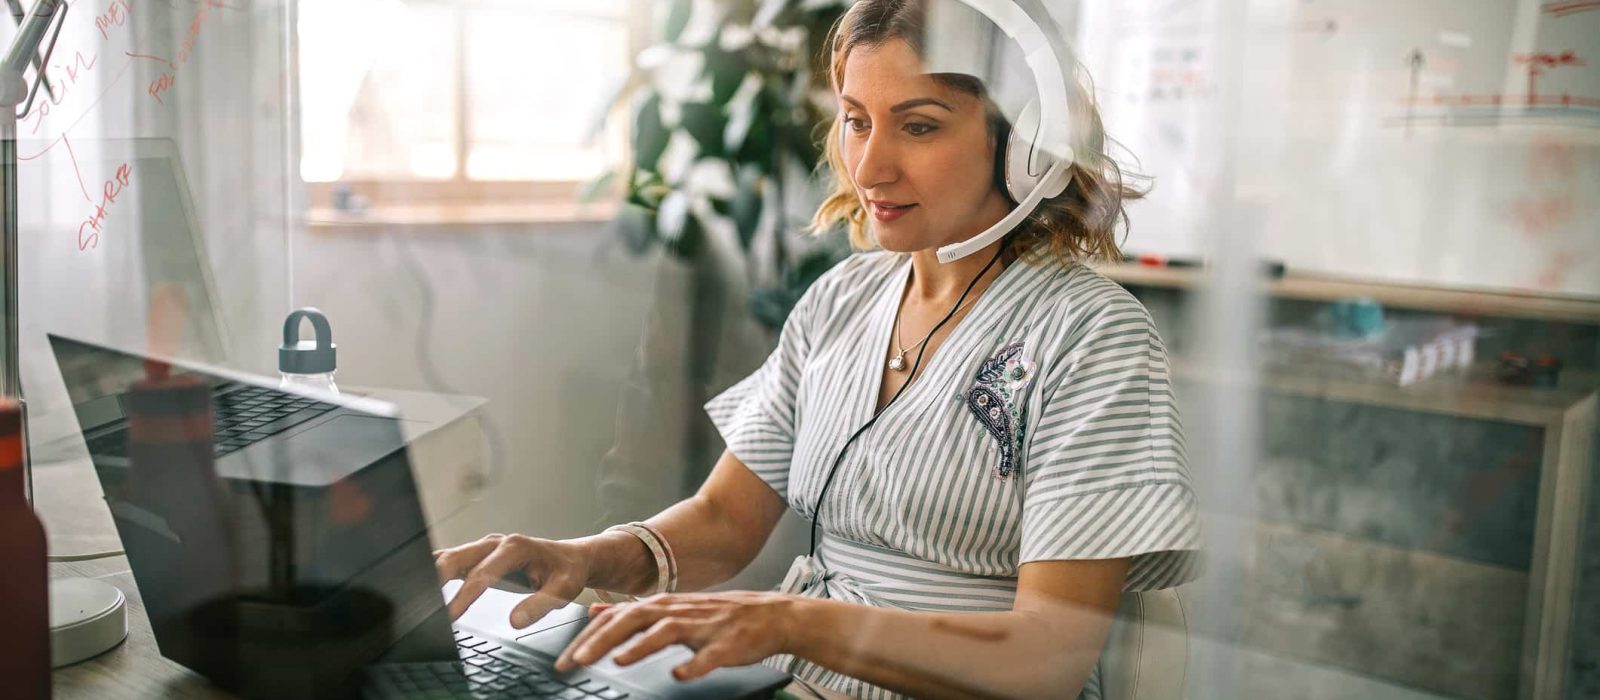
{"x":1079,"y":223}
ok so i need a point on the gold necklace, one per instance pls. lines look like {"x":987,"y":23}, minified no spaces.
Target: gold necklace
{"x":898,"y":362}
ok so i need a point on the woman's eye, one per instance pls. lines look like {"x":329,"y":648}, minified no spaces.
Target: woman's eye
{"x":855,"y":124}
{"x":920,"y":129}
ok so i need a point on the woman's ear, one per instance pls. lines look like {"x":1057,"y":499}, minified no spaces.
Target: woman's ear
{"x":1000,"y":137}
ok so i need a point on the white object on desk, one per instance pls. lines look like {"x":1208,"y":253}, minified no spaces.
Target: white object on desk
{"x":87,"y":618}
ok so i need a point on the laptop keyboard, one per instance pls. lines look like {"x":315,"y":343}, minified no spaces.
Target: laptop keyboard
{"x":487,"y":671}
{"x":244,"y":415}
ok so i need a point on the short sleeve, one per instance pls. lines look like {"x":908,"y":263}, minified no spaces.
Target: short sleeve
{"x":757,"y":415}
{"x":1105,"y":476}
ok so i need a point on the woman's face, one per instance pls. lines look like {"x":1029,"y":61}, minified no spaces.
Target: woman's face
{"x":918,"y":152}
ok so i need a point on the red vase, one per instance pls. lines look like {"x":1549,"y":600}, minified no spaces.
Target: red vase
{"x":24,"y":581}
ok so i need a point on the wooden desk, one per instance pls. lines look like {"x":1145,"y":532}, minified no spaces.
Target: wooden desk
{"x":445,"y":439}
{"x":134,"y":669}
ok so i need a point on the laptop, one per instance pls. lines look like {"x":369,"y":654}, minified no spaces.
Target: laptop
{"x":318,"y":496}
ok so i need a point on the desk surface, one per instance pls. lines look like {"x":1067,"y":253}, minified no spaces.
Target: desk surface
{"x":134,"y":669}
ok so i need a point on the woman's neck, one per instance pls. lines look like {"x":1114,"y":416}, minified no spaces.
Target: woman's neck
{"x":934,"y":282}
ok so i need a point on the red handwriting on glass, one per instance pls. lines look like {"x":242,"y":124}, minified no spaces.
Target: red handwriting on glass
{"x":66,"y":77}
{"x":89,"y":230}
{"x":1538,"y":63}
{"x":167,"y":79}
{"x":160,"y":85}
{"x":115,"y":15}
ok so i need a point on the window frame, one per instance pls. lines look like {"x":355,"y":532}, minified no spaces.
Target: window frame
{"x":459,"y":198}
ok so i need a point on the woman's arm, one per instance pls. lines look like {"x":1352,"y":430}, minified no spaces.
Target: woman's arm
{"x":714,"y":534}
{"x":1045,"y":646}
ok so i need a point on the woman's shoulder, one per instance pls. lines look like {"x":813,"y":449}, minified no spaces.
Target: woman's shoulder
{"x":1080,"y":291}
{"x":851,"y":276}
{"x":1079,"y":298}
{"x":860,"y":268}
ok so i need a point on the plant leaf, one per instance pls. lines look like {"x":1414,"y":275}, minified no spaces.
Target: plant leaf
{"x":677,"y":18}
{"x":649,"y":135}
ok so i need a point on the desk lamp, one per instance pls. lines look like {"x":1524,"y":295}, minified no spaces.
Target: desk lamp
{"x":87,"y":616}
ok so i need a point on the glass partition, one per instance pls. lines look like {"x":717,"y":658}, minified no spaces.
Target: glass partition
{"x":1316,"y":419}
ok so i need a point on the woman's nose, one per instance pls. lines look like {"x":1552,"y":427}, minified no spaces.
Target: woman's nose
{"x":876,"y":163}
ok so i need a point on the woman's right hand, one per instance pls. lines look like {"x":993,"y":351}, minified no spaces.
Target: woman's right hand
{"x":557,"y":571}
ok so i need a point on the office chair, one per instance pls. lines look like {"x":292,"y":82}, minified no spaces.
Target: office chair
{"x":1147,"y":653}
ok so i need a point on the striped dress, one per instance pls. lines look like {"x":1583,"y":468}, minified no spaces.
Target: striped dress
{"x":1044,"y":428}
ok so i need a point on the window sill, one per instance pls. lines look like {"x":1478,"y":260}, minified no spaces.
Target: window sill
{"x":447,"y":217}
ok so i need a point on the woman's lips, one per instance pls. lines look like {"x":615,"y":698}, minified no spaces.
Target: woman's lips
{"x":886,"y":213}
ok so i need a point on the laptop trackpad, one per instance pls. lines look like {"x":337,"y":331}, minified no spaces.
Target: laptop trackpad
{"x":552,"y":639}
{"x":328,"y":452}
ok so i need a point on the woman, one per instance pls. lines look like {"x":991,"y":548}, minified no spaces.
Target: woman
{"x":976,"y":538}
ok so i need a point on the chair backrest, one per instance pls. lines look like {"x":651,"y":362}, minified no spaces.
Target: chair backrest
{"x":1147,"y":653}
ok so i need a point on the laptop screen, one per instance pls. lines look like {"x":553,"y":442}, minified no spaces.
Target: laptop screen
{"x":315,"y":533}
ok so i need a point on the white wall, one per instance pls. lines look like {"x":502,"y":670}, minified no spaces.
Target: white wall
{"x":548,"y":323}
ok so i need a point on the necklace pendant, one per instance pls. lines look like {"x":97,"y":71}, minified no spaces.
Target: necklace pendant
{"x":898,"y":363}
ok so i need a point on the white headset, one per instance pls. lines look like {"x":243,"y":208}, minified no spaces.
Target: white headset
{"x":1037,"y":159}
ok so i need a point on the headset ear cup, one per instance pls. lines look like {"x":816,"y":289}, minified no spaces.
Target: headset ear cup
{"x":1022,"y":168}
{"x":1025,"y":165}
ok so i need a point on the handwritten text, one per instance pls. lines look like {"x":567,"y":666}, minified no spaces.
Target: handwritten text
{"x":168,"y":79}
{"x":66,"y":77}
{"x":115,"y":15}
{"x":89,"y":230}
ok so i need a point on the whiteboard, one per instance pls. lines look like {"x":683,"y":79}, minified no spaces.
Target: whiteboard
{"x":1431,"y":142}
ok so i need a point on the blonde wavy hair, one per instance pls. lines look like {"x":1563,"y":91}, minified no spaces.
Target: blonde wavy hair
{"x":1078,"y":224}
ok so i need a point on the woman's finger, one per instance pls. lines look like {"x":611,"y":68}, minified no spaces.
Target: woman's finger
{"x":596,"y":621}
{"x":615,"y":627}
{"x":455,"y":562}
{"x":554,"y":594}
{"x":706,"y":660}
{"x":665,"y":632}
{"x":505,"y":559}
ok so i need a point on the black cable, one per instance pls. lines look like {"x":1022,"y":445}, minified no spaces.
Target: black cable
{"x":816,"y":512}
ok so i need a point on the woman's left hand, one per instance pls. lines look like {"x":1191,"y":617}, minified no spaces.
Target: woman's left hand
{"x":734,"y":628}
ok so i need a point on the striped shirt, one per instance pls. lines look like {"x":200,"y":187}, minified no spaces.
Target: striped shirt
{"x":1055,"y":365}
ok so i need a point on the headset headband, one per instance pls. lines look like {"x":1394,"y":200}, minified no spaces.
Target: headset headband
{"x":1024,"y":22}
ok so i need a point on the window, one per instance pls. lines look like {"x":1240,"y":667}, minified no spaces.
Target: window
{"x":459,"y":102}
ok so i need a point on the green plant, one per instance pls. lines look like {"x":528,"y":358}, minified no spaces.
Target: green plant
{"x":725,"y":112}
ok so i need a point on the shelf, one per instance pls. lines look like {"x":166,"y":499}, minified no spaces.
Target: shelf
{"x":1444,"y":394}
{"x":1465,"y":302}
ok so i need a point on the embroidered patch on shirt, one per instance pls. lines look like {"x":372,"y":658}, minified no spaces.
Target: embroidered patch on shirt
{"x":996,"y":399}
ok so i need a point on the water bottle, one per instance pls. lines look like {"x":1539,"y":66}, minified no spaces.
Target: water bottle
{"x":308,"y":365}
{"x":24,"y":589}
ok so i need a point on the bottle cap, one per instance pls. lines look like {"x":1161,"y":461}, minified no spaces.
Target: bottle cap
{"x":10,"y":434}
{"x":298,"y":356}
